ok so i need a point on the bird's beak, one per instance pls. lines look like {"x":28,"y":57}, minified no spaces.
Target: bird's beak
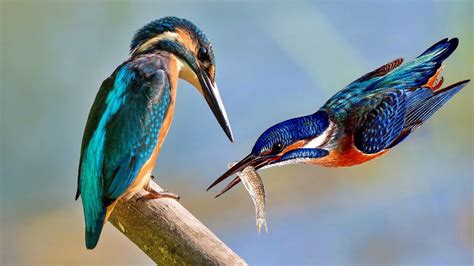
{"x":213,"y":99}
{"x":255,"y":161}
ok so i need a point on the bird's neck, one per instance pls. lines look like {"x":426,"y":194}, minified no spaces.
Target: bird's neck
{"x":323,"y":140}
{"x":186,"y":73}
{"x":174,"y":69}
{"x":173,"y":76}
{"x":323,"y":130}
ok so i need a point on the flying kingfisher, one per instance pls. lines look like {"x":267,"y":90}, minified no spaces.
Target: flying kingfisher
{"x":132,"y":113}
{"x":362,"y":121}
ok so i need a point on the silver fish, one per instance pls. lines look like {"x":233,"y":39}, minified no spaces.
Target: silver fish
{"x":254,"y":185}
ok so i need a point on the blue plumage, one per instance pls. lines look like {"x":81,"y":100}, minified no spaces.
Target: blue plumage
{"x":121,"y":137}
{"x":169,"y":24}
{"x":384,"y":106}
{"x":132,"y":113}
{"x":421,"y":111}
{"x":304,"y":153}
{"x":417,"y":72}
{"x":159,"y":26}
{"x":286,"y":132}
{"x":362,"y":121}
{"x":382,"y":124}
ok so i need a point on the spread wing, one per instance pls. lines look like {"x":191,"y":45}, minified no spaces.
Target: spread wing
{"x":394,"y":99}
{"x":120,"y":136}
{"x":397,"y":113}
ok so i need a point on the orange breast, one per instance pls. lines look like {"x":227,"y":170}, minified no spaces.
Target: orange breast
{"x":346,"y":154}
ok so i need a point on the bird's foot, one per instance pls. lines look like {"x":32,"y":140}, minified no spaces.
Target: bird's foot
{"x":152,"y":194}
{"x":438,"y":83}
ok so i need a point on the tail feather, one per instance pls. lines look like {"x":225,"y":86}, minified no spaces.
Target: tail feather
{"x":94,"y":210}
{"x":93,"y":231}
{"x":441,"y":50}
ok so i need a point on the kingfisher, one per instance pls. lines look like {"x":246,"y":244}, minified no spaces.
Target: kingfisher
{"x":360,"y":122}
{"x":132,"y":113}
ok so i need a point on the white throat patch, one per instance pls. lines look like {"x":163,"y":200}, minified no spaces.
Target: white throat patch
{"x":186,"y":73}
{"x":322,"y":139}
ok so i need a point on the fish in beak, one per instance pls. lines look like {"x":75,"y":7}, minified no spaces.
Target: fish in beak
{"x":254,"y":186}
{"x":252,"y":160}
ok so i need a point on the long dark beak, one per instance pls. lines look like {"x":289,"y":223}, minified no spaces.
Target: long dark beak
{"x":251,"y":160}
{"x":213,"y":99}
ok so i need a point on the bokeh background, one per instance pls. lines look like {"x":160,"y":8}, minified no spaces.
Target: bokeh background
{"x":276,"y":60}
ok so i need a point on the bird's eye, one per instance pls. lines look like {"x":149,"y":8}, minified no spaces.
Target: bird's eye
{"x":203,"y":54}
{"x":277,"y":147}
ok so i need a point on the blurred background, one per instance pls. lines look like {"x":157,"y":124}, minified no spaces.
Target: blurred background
{"x":275,"y":60}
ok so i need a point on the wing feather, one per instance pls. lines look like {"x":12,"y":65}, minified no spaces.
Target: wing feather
{"x":120,"y":136}
{"x":381,"y":71}
{"x":418,"y":72}
{"x":133,"y":132}
{"x":382,"y":124}
{"x":398,"y":114}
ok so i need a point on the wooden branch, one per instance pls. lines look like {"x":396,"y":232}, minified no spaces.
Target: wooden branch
{"x":170,"y":234}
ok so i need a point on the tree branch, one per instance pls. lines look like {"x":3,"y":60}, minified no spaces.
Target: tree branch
{"x":170,"y":234}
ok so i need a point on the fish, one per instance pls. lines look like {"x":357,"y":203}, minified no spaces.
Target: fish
{"x":254,"y":186}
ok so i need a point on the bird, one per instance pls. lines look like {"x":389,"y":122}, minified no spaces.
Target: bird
{"x":132,"y":113}
{"x":362,"y":121}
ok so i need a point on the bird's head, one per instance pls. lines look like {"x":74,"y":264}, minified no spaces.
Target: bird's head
{"x":292,"y":141}
{"x":196,"y":61}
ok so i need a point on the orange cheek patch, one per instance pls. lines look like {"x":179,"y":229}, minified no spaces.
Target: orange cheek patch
{"x":186,"y":39}
{"x":294,"y":146}
{"x":212,"y":72}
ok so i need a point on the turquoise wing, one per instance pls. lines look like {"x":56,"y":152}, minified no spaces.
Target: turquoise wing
{"x":120,"y":136}
{"x":417,"y":72}
{"x":375,"y":75}
{"x":394,"y":75}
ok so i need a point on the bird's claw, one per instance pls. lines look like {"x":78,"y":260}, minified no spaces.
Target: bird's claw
{"x":156,"y":195}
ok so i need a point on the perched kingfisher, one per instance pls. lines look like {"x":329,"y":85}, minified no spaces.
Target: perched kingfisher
{"x":132,"y":113}
{"x":362,"y":121}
